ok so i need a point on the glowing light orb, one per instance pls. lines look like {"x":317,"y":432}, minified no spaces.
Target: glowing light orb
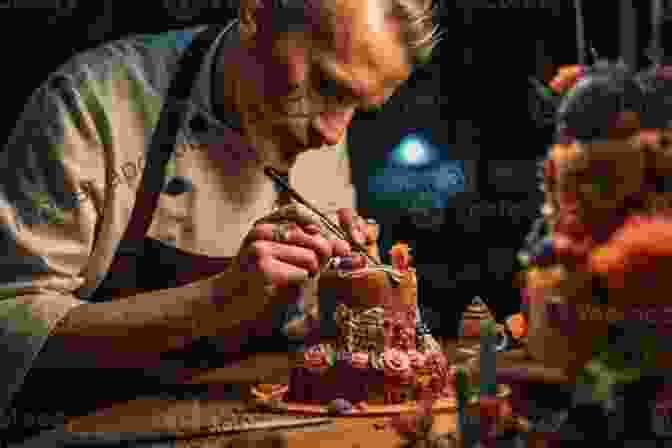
{"x":413,"y":151}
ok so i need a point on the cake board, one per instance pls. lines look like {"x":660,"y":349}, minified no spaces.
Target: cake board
{"x":442,"y":405}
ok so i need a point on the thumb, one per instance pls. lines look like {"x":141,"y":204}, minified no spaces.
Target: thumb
{"x":352,"y":224}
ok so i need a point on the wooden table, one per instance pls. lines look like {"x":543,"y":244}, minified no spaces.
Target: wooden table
{"x":145,"y":415}
{"x":157,"y":415}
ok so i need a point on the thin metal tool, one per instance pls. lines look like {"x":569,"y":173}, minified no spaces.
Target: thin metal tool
{"x":335,"y":228}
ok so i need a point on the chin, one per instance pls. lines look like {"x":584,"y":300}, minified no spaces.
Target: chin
{"x":307,"y":143}
{"x":316,"y":141}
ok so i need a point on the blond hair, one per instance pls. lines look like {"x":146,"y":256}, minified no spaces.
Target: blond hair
{"x":418,"y":24}
{"x":416,"y":18}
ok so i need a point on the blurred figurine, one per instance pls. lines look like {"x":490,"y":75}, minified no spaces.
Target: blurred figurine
{"x":470,"y":325}
{"x":516,"y":325}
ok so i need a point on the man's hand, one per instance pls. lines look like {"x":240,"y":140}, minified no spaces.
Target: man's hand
{"x":353,"y":224}
{"x":279,"y":262}
{"x":362,"y":231}
{"x":287,"y":248}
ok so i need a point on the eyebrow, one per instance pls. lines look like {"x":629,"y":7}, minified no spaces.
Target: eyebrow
{"x":330,"y":68}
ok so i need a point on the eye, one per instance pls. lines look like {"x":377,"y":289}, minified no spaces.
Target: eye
{"x":327,"y":86}
{"x":330,"y":88}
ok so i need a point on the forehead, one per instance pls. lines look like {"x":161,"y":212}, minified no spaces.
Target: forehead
{"x":363,"y":45}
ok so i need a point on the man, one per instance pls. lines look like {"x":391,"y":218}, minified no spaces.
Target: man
{"x":283,"y":79}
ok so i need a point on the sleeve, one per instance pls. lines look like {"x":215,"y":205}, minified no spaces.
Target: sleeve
{"x":46,"y":229}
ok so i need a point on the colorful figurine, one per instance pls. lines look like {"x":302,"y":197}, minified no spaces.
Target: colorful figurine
{"x":607,"y":210}
{"x":470,"y":325}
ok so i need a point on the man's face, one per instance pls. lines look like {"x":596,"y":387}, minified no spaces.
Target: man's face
{"x":307,"y":85}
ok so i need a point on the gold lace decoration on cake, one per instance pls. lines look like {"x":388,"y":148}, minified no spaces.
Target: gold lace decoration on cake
{"x":427,"y":344}
{"x":360,"y":331}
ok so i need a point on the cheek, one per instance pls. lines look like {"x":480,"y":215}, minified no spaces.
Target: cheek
{"x":297,"y":66}
{"x":289,"y":68}
{"x":342,"y":40}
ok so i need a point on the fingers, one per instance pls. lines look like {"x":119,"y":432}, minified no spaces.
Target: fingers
{"x":310,"y":223}
{"x":290,"y":246}
{"x":353,"y":224}
{"x":341,"y":248}
{"x":352,"y":262}
{"x":293,"y":212}
{"x":359,"y":261}
{"x":282,"y":274}
{"x":296,"y":236}
{"x":279,"y":264}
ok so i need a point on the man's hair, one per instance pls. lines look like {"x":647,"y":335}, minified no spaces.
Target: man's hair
{"x":417,"y":20}
{"x":418,"y":23}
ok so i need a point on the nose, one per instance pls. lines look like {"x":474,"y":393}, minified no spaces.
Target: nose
{"x":331,"y":125}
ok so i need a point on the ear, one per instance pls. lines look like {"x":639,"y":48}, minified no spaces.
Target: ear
{"x":248,"y":18}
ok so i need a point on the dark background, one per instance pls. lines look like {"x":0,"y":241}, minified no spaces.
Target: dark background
{"x":481,"y":114}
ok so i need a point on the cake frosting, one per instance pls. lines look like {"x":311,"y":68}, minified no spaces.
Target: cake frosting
{"x":315,"y":359}
{"x":381,"y":352}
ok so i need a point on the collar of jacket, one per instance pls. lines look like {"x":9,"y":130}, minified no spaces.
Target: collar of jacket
{"x":200,"y":115}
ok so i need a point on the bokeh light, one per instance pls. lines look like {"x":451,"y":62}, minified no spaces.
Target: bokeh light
{"x":415,"y":151}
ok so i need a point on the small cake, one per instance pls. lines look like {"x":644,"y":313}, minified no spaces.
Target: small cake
{"x":398,"y":375}
{"x":308,"y":376}
{"x":378,"y":355}
{"x":359,"y":376}
{"x":470,"y":325}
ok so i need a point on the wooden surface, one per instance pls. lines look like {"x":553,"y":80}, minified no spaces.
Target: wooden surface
{"x":516,"y":364}
{"x":445,"y":404}
{"x":188,"y":415}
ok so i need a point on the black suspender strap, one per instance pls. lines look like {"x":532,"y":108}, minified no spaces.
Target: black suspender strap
{"x":151,"y":185}
{"x":165,"y":134}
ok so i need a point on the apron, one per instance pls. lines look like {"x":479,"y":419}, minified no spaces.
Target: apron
{"x":143,"y":264}
{"x":165,"y":266}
